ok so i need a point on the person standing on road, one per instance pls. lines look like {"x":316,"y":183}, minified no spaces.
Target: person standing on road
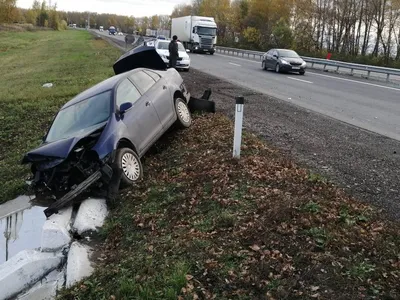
{"x":173,"y":52}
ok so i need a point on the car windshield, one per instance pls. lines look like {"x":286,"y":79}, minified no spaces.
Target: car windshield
{"x":80,"y":116}
{"x":288,"y":53}
{"x":163,"y":45}
{"x":207,"y":30}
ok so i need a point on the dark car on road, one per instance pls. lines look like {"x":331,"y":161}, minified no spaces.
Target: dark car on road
{"x":106,"y":129}
{"x":283,"y":60}
{"x":112,"y":30}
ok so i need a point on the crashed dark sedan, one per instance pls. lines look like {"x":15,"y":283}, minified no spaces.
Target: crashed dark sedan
{"x":105,"y":130}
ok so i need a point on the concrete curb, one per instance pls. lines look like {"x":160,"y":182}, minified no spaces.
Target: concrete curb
{"x":78,"y":265}
{"x":24,"y":269}
{"x":55,"y":233}
{"x":91,"y":215}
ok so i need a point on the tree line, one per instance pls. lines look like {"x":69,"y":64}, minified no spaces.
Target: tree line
{"x":41,"y":14}
{"x":365,"y":31}
{"x":361,"y":30}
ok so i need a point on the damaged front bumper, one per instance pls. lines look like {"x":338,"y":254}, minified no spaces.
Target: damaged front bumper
{"x":62,"y":180}
{"x":105,"y":174}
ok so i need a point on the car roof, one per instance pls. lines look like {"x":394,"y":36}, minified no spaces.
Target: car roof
{"x":284,"y":50}
{"x":101,"y":87}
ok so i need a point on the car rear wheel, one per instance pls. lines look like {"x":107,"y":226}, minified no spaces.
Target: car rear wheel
{"x":129,"y":162}
{"x":277,"y":68}
{"x":183,"y":113}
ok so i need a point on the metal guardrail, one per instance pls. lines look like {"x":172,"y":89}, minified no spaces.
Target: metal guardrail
{"x":318,"y":61}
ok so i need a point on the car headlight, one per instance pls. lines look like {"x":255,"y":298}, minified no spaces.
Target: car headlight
{"x":285,"y":62}
{"x":304,"y":64}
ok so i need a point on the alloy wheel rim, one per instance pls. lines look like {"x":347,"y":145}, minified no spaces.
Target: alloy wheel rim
{"x":130,"y":166}
{"x":183,"y":112}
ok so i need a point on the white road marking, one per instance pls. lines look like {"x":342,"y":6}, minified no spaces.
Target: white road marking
{"x":355,"y":81}
{"x":300,"y":80}
{"x":235,"y":64}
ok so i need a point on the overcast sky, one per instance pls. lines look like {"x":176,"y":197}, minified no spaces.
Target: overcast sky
{"x":136,"y":8}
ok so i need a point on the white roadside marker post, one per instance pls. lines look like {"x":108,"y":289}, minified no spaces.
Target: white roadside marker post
{"x":237,"y":141}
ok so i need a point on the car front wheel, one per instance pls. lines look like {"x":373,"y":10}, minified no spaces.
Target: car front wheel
{"x":129,"y":163}
{"x":302,"y":72}
{"x":183,"y":113}
{"x":277,"y":68}
{"x":263,"y":65}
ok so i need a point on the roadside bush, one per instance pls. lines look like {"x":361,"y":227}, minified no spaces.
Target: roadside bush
{"x":63,"y":25}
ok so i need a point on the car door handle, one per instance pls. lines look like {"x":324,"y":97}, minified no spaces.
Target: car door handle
{"x":148,"y":103}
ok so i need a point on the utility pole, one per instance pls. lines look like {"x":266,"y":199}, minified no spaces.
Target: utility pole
{"x":89,"y":21}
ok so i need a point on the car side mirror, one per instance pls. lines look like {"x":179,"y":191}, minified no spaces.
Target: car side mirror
{"x":276,"y":56}
{"x":124,"y":107}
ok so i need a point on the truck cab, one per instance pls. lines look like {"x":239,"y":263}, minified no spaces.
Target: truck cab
{"x":198,"y":34}
{"x":204,"y":35}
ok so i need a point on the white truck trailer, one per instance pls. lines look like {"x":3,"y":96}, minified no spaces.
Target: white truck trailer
{"x":198,"y":34}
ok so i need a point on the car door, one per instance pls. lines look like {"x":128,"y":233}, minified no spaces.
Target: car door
{"x":146,"y":85}
{"x":162,"y":101}
{"x":268,"y":59}
{"x":141,"y":120}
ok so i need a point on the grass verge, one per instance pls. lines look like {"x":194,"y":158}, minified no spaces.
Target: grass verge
{"x":72,"y":60}
{"x":205,"y":226}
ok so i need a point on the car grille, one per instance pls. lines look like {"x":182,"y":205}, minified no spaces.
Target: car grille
{"x":179,"y":58}
{"x":295,"y":64}
{"x":206,"y":43}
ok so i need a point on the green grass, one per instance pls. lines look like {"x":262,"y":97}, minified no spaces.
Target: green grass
{"x":72,"y":60}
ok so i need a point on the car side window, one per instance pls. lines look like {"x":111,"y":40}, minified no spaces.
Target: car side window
{"x":143,"y":81}
{"x":127,"y":92}
{"x":153,"y":75}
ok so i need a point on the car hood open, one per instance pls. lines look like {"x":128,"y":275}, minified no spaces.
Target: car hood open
{"x":139,"y":57}
{"x":59,"y":149}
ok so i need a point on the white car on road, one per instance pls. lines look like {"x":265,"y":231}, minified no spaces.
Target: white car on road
{"x":183,"y":62}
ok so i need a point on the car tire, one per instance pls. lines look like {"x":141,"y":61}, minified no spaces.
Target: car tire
{"x":302,"y":72}
{"x":184,"y":117}
{"x":211,"y":53}
{"x":277,"y":68}
{"x":264,"y":65}
{"x":129,"y":163}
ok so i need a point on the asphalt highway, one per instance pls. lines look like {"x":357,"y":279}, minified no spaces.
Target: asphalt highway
{"x":368,"y":104}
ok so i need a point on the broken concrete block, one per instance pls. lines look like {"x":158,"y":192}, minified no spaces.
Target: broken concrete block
{"x":78,"y":265}
{"x":91,"y":215}
{"x":55,"y":233}
{"x":45,"y":289}
{"x":25,"y":269}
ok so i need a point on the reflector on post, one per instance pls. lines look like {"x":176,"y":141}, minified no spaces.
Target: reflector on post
{"x":237,"y":141}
